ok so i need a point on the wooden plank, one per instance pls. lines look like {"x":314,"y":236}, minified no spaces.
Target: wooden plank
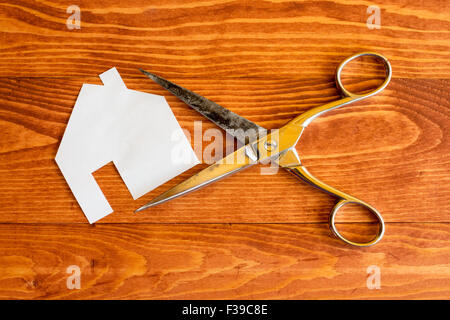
{"x":391,"y":150}
{"x":268,"y":61}
{"x":220,"y":262}
{"x":221,"y":37}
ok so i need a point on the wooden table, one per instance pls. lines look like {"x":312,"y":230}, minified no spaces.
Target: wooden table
{"x":249,"y":236}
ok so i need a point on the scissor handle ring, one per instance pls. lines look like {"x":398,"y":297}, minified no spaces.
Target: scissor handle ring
{"x":387,"y":66}
{"x":372,"y":210}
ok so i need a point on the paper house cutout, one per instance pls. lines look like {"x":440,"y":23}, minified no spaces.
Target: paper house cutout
{"x":135,"y":130}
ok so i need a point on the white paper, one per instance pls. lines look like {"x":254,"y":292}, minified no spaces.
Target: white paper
{"x":135,"y":130}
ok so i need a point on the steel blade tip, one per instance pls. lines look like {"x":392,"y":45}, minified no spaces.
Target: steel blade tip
{"x":161,"y":81}
{"x":148,"y":74}
{"x":152,"y":203}
{"x":143,"y":208}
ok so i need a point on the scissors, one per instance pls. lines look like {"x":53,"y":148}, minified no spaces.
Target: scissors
{"x":278,"y":146}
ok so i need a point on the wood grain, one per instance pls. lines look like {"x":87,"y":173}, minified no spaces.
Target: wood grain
{"x":250,"y":236}
{"x":220,"y":262}
{"x":221,"y":37}
{"x":398,"y":140}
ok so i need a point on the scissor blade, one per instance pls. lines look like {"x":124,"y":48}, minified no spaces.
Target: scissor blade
{"x":232,"y":163}
{"x":244,"y":130}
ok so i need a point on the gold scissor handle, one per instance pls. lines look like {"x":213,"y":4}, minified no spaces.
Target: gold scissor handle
{"x":347,"y":97}
{"x":302,"y":173}
{"x":345,"y":92}
{"x":291,"y":161}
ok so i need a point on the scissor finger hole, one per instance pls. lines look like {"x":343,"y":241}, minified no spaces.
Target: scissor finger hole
{"x":356,"y":223}
{"x":362,"y":74}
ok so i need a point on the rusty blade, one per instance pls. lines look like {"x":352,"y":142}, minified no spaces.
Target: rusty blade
{"x":244,"y":130}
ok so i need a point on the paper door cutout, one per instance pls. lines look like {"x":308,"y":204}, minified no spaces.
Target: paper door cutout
{"x":135,"y":130}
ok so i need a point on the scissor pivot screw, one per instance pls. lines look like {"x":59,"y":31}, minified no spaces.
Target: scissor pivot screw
{"x":270,"y":145}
